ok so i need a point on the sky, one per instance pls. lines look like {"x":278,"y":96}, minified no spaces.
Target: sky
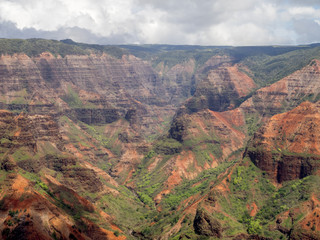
{"x":193,"y":22}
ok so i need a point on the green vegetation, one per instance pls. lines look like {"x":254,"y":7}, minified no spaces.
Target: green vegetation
{"x":76,"y":135}
{"x":112,"y":50}
{"x":145,"y":199}
{"x":128,"y":211}
{"x":253,"y":226}
{"x":21,"y":154}
{"x":172,"y":58}
{"x":187,"y":191}
{"x":266,"y":64}
{"x":3,"y":176}
{"x":34,"y":47}
{"x":236,"y":193}
{"x":13,"y":213}
{"x":72,"y":98}
{"x":5,"y":141}
{"x":253,"y":123}
{"x":247,"y":186}
{"x":268,"y":68}
{"x":290,"y":195}
{"x":167,"y":146}
{"x":203,"y":145}
{"x":20,"y":97}
{"x":43,"y":186}
{"x":172,"y":54}
{"x":33,"y":177}
{"x":310,"y":97}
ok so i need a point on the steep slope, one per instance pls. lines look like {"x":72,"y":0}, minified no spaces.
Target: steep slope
{"x":221,"y":89}
{"x":28,"y":212}
{"x":197,"y":141}
{"x":46,"y":191}
{"x":99,"y":89}
{"x":97,"y":143}
{"x":207,"y":138}
{"x":238,"y":201}
{"x":287,"y":146}
{"x":178,"y":191}
{"x":287,"y":93}
{"x":106,"y":86}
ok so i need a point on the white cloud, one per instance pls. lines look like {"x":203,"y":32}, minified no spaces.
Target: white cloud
{"x":302,"y":11}
{"x":207,"y":22}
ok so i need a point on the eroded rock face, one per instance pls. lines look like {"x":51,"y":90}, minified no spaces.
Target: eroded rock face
{"x":94,"y":116}
{"x":26,"y":214}
{"x":211,"y":127}
{"x":206,"y":225}
{"x":209,"y":138}
{"x":95,"y":89}
{"x":45,"y":204}
{"x":25,"y":131}
{"x":220,"y":90}
{"x":287,"y":146}
{"x":286,"y":93}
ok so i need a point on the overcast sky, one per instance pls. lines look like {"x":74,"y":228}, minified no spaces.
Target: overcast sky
{"x":201,"y":22}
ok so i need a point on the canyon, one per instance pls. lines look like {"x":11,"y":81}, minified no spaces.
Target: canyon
{"x":158,"y":142}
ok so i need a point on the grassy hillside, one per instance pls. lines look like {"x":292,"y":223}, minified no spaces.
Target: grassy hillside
{"x":267,"y":68}
{"x":34,"y":47}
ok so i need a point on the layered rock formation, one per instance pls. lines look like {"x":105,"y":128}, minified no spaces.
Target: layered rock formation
{"x":27,"y":131}
{"x":208,"y":138}
{"x":287,"y":93}
{"x":217,"y":128}
{"x":41,"y":182}
{"x":286,"y":147}
{"x":27,"y":214}
{"x":106,"y":86}
{"x":221,"y":89}
{"x":95,"y":153}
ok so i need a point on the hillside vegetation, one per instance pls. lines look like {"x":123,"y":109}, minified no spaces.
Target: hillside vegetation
{"x":158,"y":141}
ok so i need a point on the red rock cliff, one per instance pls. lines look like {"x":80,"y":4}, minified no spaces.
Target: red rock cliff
{"x":287,"y":146}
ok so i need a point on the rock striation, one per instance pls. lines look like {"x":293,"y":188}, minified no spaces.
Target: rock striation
{"x":287,"y":93}
{"x":95,"y":89}
{"x":221,"y":89}
{"x":287,"y":146}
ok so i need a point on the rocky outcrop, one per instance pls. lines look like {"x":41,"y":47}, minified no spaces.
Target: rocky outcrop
{"x":212,"y":128}
{"x":23,"y":130}
{"x":94,"y":116}
{"x":221,"y":89}
{"x":207,"y":138}
{"x":182,"y":79}
{"x":179,"y":79}
{"x":206,"y":225}
{"x":26,"y":214}
{"x":287,"y":146}
{"x":102,"y":74}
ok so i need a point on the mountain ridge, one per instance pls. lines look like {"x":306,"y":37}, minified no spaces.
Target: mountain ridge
{"x":166,"y":146}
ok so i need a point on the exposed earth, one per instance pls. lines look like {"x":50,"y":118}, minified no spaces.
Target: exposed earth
{"x":158,"y":141}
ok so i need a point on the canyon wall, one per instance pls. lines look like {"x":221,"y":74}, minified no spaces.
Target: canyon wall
{"x":287,"y":146}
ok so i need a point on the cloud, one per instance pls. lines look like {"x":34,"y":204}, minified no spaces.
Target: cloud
{"x":206,"y":22}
